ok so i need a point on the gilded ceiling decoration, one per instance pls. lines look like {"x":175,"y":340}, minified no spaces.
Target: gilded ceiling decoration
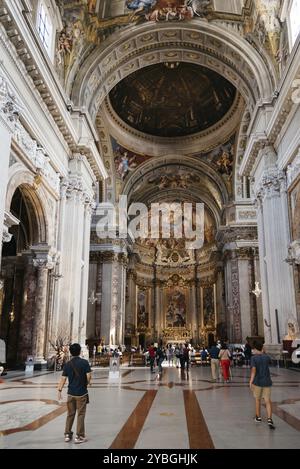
{"x":172,"y":100}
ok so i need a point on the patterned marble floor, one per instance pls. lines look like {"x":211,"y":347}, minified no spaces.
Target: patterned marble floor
{"x":144,"y":411}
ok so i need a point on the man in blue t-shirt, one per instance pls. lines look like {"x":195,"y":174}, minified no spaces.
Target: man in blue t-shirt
{"x":260,"y":382}
{"x":78,"y":372}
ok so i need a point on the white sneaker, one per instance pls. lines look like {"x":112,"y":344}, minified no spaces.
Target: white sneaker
{"x":79,"y":439}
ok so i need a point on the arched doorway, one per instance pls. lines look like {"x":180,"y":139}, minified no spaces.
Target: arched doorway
{"x":19,"y":275}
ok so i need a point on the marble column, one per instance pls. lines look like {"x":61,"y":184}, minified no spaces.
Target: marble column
{"x":88,"y":207}
{"x":159,"y":320}
{"x":43,"y":263}
{"x":220,"y":310}
{"x":28,"y":308}
{"x":98,"y":304}
{"x":130,"y":317}
{"x":233,"y":301}
{"x":122,"y":301}
{"x":193,"y":306}
{"x":60,"y":249}
{"x":274,"y":239}
{"x":9,"y":110}
{"x":75,"y":243}
{"x":113,"y":298}
{"x":249,"y":326}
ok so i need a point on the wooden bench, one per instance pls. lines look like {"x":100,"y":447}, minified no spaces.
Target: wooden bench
{"x":137,"y":359}
{"x":101,"y":361}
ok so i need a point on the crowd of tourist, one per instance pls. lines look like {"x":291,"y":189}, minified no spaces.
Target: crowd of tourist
{"x":220,"y":356}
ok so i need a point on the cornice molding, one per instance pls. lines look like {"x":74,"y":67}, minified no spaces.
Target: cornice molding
{"x":201,"y":141}
{"x":56,"y":105}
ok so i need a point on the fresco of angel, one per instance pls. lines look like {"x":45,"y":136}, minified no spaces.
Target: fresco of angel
{"x":139,"y":6}
{"x":124,"y":164}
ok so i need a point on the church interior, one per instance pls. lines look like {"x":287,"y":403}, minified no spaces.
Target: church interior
{"x":165,"y":105}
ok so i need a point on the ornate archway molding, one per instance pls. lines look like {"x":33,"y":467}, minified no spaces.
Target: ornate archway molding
{"x":212,"y":189}
{"x":21,"y":178}
{"x":199,"y":42}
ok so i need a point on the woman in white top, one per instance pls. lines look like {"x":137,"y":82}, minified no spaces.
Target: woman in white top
{"x":225,"y":358}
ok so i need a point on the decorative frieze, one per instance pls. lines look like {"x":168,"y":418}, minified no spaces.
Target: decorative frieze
{"x":10,"y":110}
{"x":27,"y":144}
{"x":250,"y":215}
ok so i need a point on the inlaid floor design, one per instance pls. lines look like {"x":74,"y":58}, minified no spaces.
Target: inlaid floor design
{"x":177,"y":410}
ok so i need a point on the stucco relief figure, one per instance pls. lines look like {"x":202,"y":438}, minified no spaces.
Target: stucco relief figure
{"x":293,"y":330}
{"x":199,"y":7}
{"x":225,"y":161}
{"x":162,"y":254}
{"x":261,"y":31}
{"x":64,"y":47}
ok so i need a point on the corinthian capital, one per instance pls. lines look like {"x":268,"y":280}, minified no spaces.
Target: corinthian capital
{"x":9,"y":106}
{"x":273,"y":183}
{"x":43,"y":258}
{"x":43,"y":263}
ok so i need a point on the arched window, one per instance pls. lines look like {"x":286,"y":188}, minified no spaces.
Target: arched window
{"x":45,"y":27}
{"x":294,"y":21}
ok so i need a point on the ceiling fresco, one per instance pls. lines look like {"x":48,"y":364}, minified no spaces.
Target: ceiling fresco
{"x":172,"y":100}
{"x":125,"y":160}
{"x":165,"y":10}
{"x":89,"y":23}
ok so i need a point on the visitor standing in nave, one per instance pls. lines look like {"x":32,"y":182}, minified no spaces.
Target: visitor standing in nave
{"x":152,"y":354}
{"x":261,"y":383}
{"x":247,"y":353}
{"x":160,"y":356}
{"x":170,"y":354}
{"x":186,"y":357}
{"x":214,"y":361}
{"x":225,"y":357}
{"x":78,"y":373}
